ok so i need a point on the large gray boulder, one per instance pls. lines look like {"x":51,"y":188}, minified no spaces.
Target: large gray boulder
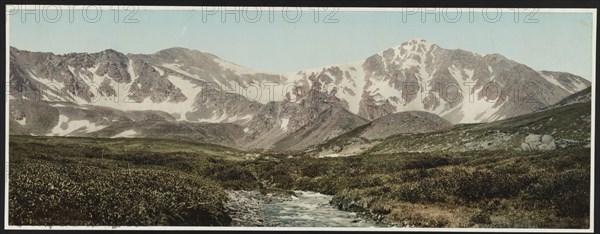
{"x":534,"y":142}
{"x":533,"y":138}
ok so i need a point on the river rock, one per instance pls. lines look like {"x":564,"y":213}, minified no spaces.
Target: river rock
{"x":245,"y":207}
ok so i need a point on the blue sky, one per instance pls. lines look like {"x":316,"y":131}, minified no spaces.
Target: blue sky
{"x":274,"y":42}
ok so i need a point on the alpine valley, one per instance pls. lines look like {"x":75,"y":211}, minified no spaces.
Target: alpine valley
{"x":412,"y":136}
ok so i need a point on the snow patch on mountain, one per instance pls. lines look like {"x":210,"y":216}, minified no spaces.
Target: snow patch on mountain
{"x":52,"y":95}
{"x":66,"y":126}
{"x":240,"y":118}
{"x":71,"y":69}
{"x":177,"y":68}
{"x":51,"y":88}
{"x":456,"y":73}
{"x":470,"y":73}
{"x":578,"y":84}
{"x":225,"y":118}
{"x":95,"y":80}
{"x":475,"y":109}
{"x":353,"y":84}
{"x":130,"y":69}
{"x":71,"y":106}
{"x":94,"y":128}
{"x":160,"y":71}
{"x":189,"y":89}
{"x":284,"y":124}
{"x":553,"y":80}
{"x":125,"y":134}
{"x":349,"y":88}
{"x":237,"y":69}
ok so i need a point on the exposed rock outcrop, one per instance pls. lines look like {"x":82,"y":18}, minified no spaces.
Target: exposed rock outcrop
{"x":534,"y":142}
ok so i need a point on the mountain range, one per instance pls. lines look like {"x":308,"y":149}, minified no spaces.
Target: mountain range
{"x":186,"y":94}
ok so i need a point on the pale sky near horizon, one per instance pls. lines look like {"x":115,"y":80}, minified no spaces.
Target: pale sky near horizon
{"x":286,"y":42}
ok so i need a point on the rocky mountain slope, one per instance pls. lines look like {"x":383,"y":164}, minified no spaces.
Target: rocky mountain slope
{"x":579,"y":97}
{"x":460,"y":86}
{"x":376,"y":131}
{"x":188,"y":88}
{"x":313,"y":119}
{"x":561,"y":127}
{"x":566,"y":124}
{"x":42,"y":118}
{"x":404,"y":122}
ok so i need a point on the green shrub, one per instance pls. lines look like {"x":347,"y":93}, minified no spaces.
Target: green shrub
{"x":479,"y":184}
{"x":567,"y":192}
{"x":426,"y":162}
{"x":231,"y":175}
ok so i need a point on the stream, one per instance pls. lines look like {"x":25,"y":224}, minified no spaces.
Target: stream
{"x":311,"y":209}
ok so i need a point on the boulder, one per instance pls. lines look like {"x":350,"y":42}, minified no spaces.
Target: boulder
{"x":551,"y":146}
{"x":534,"y":142}
{"x":544,"y":147}
{"x":525,"y":147}
{"x":533,"y":138}
{"x":546,"y":139}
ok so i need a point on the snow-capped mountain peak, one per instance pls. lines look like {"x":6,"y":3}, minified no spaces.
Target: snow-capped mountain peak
{"x":415,"y":75}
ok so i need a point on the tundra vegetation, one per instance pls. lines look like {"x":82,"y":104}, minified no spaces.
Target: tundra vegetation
{"x":86,"y":181}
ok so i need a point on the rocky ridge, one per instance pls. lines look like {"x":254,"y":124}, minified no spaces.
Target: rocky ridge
{"x":314,"y":106}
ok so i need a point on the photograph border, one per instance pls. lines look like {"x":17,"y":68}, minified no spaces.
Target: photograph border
{"x":202,"y":228}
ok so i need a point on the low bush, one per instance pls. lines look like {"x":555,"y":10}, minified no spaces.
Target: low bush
{"x":50,"y":193}
{"x":568,"y":192}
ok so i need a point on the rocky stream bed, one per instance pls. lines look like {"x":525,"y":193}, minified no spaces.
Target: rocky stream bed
{"x":304,"y":209}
